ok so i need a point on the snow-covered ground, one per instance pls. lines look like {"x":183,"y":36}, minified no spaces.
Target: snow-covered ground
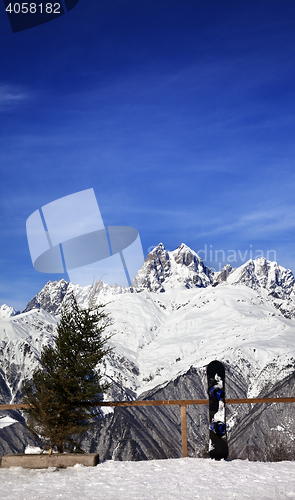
{"x":181,"y":479}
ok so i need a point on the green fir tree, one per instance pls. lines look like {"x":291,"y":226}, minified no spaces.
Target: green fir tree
{"x":65,"y":389}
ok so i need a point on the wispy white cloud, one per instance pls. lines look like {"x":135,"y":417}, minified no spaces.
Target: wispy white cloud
{"x":257,"y":224}
{"x":12,"y":95}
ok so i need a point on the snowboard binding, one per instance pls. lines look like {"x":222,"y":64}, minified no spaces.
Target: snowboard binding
{"x":219,"y":428}
{"x":215,"y":393}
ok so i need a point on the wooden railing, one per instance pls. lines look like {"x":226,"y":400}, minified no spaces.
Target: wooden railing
{"x":183,"y":403}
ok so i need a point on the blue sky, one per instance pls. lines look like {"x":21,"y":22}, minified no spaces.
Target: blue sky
{"x":178,"y":113}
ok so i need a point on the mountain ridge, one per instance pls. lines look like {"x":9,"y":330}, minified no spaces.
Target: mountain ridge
{"x":163,"y":270}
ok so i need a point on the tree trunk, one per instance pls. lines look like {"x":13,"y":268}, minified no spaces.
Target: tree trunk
{"x":59,"y":446}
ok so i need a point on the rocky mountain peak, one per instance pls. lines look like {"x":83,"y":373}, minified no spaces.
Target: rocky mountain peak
{"x":185,"y":255}
{"x":262,"y":273}
{"x":163,"y":270}
{"x":222,"y":275}
{"x":155,"y":269}
{"x":49,"y":298}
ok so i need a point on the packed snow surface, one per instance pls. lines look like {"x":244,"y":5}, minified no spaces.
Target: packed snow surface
{"x":179,"y":479}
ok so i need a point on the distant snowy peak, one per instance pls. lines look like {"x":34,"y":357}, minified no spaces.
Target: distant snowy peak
{"x":261,"y":273}
{"x":164,"y":270}
{"x":49,"y":298}
{"x":54,"y":293}
{"x":222,"y":276}
{"x":7,"y":311}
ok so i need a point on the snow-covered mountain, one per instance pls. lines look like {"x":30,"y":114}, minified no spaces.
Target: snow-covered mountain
{"x":164,"y":270}
{"x":262,"y":275}
{"x":7,"y":312}
{"x":176,"y":318}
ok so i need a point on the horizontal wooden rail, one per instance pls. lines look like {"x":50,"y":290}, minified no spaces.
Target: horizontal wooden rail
{"x":183,"y":403}
{"x":170,"y":402}
{"x":259,"y":400}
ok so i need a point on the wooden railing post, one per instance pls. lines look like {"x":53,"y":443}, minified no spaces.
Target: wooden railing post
{"x":183,"y":430}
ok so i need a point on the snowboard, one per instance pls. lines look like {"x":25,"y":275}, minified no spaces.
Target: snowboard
{"x":218,"y":447}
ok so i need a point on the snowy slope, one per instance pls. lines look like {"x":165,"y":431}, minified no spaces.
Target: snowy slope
{"x":163,"y":335}
{"x":6,"y":421}
{"x":21,"y":340}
